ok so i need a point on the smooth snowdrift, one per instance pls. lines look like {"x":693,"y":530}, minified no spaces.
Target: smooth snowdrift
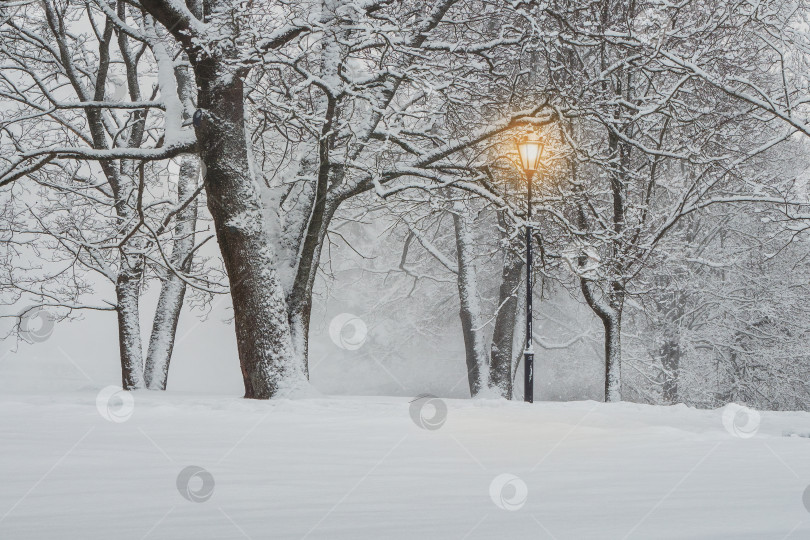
{"x":363,"y":468}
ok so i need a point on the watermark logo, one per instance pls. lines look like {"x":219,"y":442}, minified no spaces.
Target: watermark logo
{"x":508,"y":492}
{"x":115,"y":404}
{"x":428,"y":412}
{"x":36,"y":325}
{"x":348,"y":331}
{"x":806,"y":498}
{"x":741,"y":421}
{"x":195,"y":484}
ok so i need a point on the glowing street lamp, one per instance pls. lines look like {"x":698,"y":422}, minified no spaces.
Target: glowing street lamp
{"x":530,"y":152}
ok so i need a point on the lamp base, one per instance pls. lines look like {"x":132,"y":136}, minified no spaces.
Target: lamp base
{"x":528,"y":377}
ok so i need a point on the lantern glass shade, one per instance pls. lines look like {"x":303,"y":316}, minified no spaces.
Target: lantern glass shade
{"x":530,"y":152}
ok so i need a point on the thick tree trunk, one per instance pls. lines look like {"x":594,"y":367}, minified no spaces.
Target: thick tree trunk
{"x":249,"y":247}
{"x":127,"y":291}
{"x":501,"y":353}
{"x":470,"y":307}
{"x":173,"y":289}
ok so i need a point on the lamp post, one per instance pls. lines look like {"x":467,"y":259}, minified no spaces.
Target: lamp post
{"x":530,"y":152}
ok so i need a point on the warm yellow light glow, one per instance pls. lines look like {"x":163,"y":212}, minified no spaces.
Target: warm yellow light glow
{"x":530,"y":152}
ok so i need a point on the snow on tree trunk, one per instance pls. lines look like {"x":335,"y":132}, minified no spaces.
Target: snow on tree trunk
{"x":500,"y":360}
{"x":470,"y":306}
{"x":613,"y":356}
{"x":299,"y":311}
{"x":127,"y":291}
{"x":299,"y":299}
{"x":248,"y":243}
{"x":173,"y":289}
{"x":128,"y":282}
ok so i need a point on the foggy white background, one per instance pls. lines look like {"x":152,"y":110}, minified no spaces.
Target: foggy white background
{"x":84,"y":353}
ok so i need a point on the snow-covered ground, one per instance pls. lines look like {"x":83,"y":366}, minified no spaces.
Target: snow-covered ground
{"x":86,"y":466}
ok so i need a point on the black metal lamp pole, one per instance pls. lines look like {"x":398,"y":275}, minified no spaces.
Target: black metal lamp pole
{"x":530,"y":152}
{"x":528,"y":360}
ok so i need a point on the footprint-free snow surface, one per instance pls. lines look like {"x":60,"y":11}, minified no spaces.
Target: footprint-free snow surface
{"x":92,"y":465}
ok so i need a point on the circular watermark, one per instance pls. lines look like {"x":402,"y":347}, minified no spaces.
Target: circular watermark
{"x":115,"y":404}
{"x":36,"y":325}
{"x":428,"y":412}
{"x":348,"y":331}
{"x":195,"y":484}
{"x":741,"y":421}
{"x":508,"y":492}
